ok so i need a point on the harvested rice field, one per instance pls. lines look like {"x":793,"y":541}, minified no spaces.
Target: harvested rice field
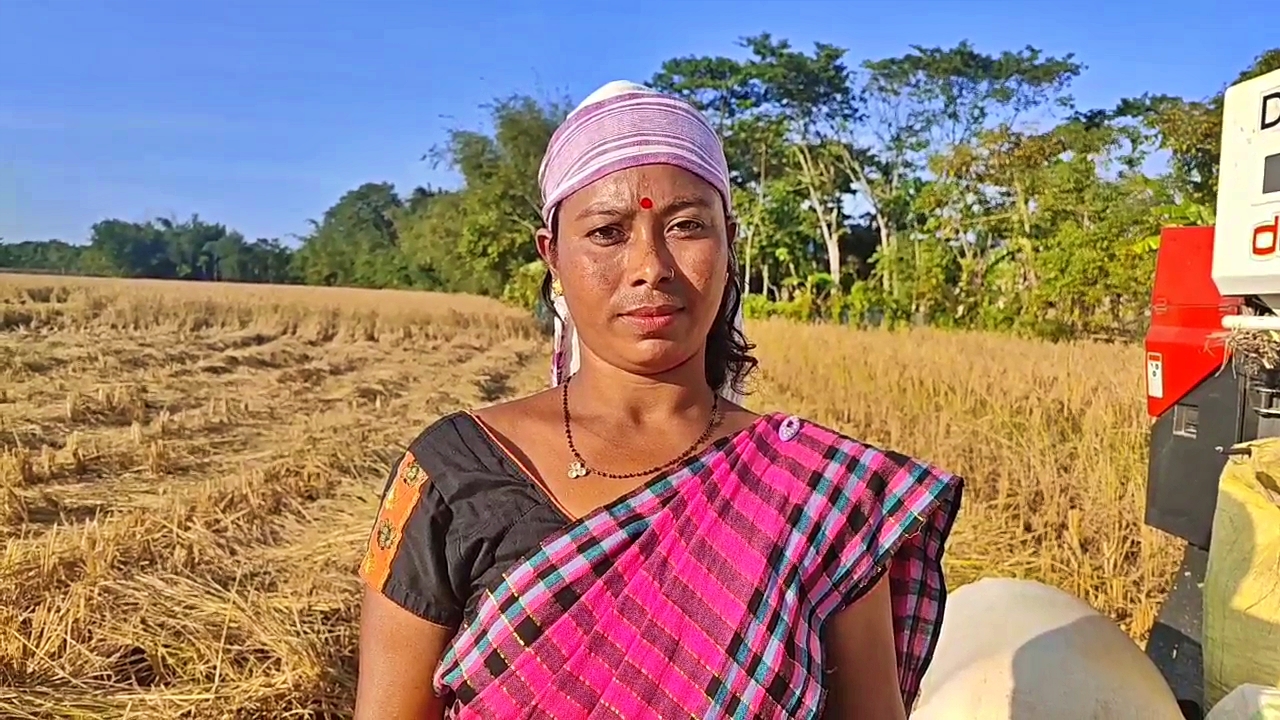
{"x":188,"y":471}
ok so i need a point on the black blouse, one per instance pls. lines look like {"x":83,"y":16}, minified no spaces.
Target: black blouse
{"x":475,"y":515}
{"x":457,"y":512}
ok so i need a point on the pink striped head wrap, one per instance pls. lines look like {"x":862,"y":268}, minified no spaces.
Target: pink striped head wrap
{"x":624,"y":125}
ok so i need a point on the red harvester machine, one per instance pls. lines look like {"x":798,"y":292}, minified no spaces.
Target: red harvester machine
{"x":1210,"y":280}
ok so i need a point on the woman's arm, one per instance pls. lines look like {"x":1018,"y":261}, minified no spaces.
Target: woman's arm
{"x":863,"y":660}
{"x":409,"y":603}
{"x":398,"y":656}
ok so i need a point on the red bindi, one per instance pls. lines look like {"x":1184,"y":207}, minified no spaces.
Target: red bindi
{"x":646,"y":203}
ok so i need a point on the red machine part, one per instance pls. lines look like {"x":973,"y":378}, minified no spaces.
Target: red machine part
{"x":1184,"y":344}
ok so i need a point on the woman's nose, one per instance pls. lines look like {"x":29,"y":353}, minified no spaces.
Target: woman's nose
{"x":649,"y":258}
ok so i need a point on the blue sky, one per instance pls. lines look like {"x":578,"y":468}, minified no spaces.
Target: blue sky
{"x":260,"y":114}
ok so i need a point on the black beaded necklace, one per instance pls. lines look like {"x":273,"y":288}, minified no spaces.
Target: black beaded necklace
{"x":579,"y":468}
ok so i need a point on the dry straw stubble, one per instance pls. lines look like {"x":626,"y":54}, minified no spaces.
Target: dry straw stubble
{"x":188,"y":471}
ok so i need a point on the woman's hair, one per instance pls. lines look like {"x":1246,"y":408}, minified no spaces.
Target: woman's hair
{"x":729,"y":358}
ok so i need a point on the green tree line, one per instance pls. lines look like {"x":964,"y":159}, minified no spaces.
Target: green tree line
{"x":945,"y":186}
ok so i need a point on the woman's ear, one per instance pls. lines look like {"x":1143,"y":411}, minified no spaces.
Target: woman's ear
{"x":546,"y":246}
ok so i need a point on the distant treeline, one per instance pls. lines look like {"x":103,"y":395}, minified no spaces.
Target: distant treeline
{"x":190,"y":250}
{"x":944,"y":186}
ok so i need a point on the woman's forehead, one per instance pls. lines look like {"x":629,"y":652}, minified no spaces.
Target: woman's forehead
{"x":657,"y":182}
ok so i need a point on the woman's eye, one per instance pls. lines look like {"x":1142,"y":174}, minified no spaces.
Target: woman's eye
{"x":686,"y":226}
{"x":605,"y":235}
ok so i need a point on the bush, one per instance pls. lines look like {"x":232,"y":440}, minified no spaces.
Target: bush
{"x":524,"y":289}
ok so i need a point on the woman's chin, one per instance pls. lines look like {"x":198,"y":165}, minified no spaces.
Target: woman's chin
{"x":653,"y":356}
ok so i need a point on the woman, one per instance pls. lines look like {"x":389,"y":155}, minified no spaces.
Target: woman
{"x":632,"y":542}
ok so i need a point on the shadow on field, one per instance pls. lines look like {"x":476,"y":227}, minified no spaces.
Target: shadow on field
{"x":54,"y":512}
{"x":494,"y":385}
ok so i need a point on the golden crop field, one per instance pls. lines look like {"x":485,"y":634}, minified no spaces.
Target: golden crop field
{"x":188,"y":471}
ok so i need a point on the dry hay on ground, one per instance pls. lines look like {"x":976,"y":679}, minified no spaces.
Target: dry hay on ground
{"x":188,"y":472}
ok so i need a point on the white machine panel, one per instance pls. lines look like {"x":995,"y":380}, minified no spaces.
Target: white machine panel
{"x":1246,"y":237}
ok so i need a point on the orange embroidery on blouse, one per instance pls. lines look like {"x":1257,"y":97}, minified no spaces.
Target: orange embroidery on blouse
{"x":393,"y":514}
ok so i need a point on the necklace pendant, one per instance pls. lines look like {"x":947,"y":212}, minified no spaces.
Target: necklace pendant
{"x":577,"y":470}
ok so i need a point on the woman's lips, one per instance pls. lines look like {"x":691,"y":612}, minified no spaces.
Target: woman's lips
{"x":652,"y":319}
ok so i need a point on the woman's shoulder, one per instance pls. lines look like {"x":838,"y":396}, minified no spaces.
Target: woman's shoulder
{"x":842,"y":459}
{"x":472,"y":427}
{"x":805,"y":438}
{"x":445,"y":436}
{"x":880,"y":496}
{"x":454,"y":449}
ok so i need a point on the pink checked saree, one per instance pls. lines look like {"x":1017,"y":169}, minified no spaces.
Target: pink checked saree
{"x":704,"y":593}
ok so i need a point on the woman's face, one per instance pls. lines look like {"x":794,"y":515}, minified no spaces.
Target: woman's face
{"x":642,"y":256}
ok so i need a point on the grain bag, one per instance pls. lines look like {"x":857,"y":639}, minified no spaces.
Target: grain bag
{"x":1242,"y":582}
{"x":1022,"y":650}
{"x":1248,"y":702}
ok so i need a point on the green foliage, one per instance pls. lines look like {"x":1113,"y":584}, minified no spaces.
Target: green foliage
{"x":945,"y":186}
{"x":477,"y":238}
{"x":161,"y":248}
{"x":357,"y":243}
{"x":525,"y":287}
{"x":52,"y":256}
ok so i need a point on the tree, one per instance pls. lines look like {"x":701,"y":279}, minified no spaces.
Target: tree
{"x":945,"y":185}
{"x":482,"y":235}
{"x":357,"y":242}
{"x":49,"y":255}
{"x":924,"y":105}
{"x":1191,"y":131}
{"x":781,"y":111}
